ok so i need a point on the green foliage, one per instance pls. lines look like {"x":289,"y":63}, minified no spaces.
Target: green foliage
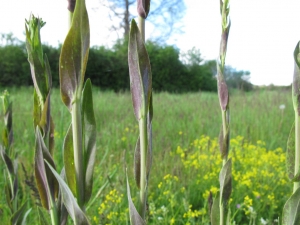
{"x":108,"y":68}
{"x":238,"y":79}
{"x":169,"y":74}
{"x":14,"y":68}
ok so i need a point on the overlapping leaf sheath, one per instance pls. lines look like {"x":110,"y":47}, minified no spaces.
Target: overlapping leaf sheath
{"x":219,"y":210}
{"x":291,"y":213}
{"x":80,"y":140}
{"x":141,"y":92}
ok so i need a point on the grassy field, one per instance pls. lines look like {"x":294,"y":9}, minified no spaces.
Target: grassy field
{"x":186,"y":159}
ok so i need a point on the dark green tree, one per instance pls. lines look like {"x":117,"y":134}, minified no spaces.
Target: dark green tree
{"x":14,"y":69}
{"x":201,"y":74}
{"x":238,"y":79}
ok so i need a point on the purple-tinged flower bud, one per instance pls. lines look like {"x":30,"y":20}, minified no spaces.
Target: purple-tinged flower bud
{"x":143,"y":8}
{"x":71,"y":5}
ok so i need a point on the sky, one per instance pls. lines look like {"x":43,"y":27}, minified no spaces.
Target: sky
{"x":262,"y":38}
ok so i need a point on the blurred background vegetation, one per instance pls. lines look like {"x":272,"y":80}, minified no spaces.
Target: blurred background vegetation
{"x":172,"y":70}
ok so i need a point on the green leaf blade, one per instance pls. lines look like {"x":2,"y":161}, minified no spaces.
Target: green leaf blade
{"x":296,"y":80}
{"x":226,"y":182}
{"x":290,"y":157}
{"x":222,"y":89}
{"x":74,"y":55}
{"x":137,"y":163}
{"x":89,"y":128}
{"x":69,"y":161}
{"x":8,"y":163}
{"x":139,"y":71}
{"x":215,"y":211}
{"x":40,"y":171}
{"x":44,"y":122}
{"x":46,"y":182}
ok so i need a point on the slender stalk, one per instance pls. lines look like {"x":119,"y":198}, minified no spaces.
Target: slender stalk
{"x":78,"y":151}
{"x":224,"y":126}
{"x":143,"y":140}
{"x":53,"y":212}
{"x":141,"y":24}
{"x":297,"y":149}
{"x":224,"y":103}
{"x":222,"y":216}
{"x":143,"y":144}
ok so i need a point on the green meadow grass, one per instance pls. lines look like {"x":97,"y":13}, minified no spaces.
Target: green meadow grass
{"x":179,"y":119}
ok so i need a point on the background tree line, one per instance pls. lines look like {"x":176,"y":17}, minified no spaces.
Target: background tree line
{"x":108,"y":69}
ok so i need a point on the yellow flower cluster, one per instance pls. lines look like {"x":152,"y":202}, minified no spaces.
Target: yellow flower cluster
{"x":194,"y":213}
{"x":108,"y":209}
{"x":259,"y":177}
{"x":260,"y":186}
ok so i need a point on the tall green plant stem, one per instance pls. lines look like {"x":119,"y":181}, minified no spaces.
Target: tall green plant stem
{"x":77,"y":145}
{"x":143,"y":139}
{"x":53,"y":212}
{"x":143,"y":145}
{"x":222,"y":214}
{"x":141,"y":24}
{"x":224,"y":126}
{"x":297,"y":148}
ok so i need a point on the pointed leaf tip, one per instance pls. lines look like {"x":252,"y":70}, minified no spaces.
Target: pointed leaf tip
{"x":139,"y":72}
